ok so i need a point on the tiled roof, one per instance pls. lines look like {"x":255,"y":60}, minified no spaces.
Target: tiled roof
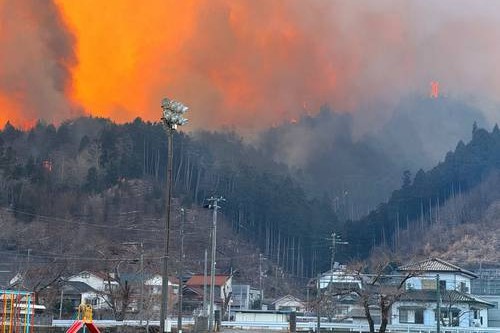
{"x":78,"y":286}
{"x":287,"y":297}
{"x":447,"y":296}
{"x":193,"y":290}
{"x":198,"y":280}
{"x":435,"y":265}
{"x":359,"y":312}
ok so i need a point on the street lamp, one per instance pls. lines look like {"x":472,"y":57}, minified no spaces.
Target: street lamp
{"x":173,"y":116}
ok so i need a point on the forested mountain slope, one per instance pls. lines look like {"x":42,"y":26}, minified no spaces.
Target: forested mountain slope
{"x":415,"y":205}
{"x":99,"y":174}
{"x":84,"y":170}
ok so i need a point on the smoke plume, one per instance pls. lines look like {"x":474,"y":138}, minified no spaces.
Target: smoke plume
{"x":245,"y":63}
{"x":36,"y":59}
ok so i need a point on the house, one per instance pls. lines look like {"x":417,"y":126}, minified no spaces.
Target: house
{"x":338,"y":277}
{"x":193,"y":291}
{"x":289,"y":303}
{"x":268,"y":316}
{"x":92,"y":288}
{"x":98,"y":285}
{"x":417,"y":305}
{"x":74,"y":293}
{"x":97,"y":280}
{"x":344,"y":306}
{"x":152,"y":290}
{"x":95,"y":288}
{"x":244,"y":297}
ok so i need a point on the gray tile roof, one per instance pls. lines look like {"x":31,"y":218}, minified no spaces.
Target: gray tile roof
{"x":435,"y":265}
{"x":447,"y":296}
{"x":76,"y":286}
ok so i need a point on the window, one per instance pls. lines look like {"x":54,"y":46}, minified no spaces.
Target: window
{"x":403,"y":316}
{"x":92,"y":301}
{"x":428,"y":284}
{"x":411,"y":316}
{"x":442,"y":284}
{"x":341,"y":311}
{"x":463,"y":287}
{"x":419,"y":316}
{"x":452,"y":320}
{"x":85,"y":275}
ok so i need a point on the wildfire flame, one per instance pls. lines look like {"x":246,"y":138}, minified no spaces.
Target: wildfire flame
{"x":246,"y":63}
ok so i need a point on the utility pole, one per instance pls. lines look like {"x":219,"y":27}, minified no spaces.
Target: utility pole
{"x":172,"y":118}
{"x":213,"y":204}
{"x":205,"y":284}
{"x":61,"y":303}
{"x":141,"y":259}
{"x":318,"y":298}
{"x":27,"y":267}
{"x":438,"y":304}
{"x":141,"y":304}
{"x":336,"y":240}
{"x":181,"y":268}
{"x":260,"y":281}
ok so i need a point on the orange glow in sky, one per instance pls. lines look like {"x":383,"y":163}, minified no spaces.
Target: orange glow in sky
{"x":244,"y":63}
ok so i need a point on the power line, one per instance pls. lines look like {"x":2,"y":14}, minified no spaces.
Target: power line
{"x":46,"y":219}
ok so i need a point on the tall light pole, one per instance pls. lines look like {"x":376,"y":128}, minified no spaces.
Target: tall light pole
{"x":213,"y":204}
{"x":172,"y":117}
{"x":181,"y":268}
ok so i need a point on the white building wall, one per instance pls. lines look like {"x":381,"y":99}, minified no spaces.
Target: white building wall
{"x":428,"y":313}
{"x":261,"y":317}
{"x":87,"y":298}
{"x":466,"y":317}
{"x":453,"y":280}
{"x":227,"y":287}
{"x":429,"y":317}
{"x":337,"y":277}
{"x":90,"y":279}
{"x":483,"y":314}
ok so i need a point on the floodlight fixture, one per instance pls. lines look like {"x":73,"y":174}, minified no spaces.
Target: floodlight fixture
{"x":173,"y":112}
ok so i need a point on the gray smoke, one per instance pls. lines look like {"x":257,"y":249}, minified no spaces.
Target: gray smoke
{"x":37,"y":53}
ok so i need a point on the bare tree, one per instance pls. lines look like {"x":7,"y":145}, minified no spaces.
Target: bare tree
{"x":225,"y":302}
{"x":117,"y":293}
{"x":378,"y":288}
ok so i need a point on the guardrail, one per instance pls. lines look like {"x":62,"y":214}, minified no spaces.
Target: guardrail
{"x":114,"y":323}
{"x":311,"y":326}
{"x":283,"y":326}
